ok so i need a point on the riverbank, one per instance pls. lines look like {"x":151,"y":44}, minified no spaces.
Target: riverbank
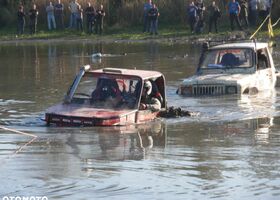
{"x":176,"y":34}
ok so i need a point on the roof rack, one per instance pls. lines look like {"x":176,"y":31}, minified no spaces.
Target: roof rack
{"x":212,"y":43}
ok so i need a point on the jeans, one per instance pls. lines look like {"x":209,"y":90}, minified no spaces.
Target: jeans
{"x":243,"y":17}
{"x":59,"y":19}
{"x":154,"y":26}
{"x":90,"y":24}
{"x":73,"y":20}
{"x":147,"y":23}
{"x":193,"y":22}
{"x":99,"y":26}
{"x":213,"y":20}
{"x":79,"y":24}
{"x":51,"y":22}
{"x":233,"y":17}
{"x":253,"y":15}
{"x":21,"y":24}
{"x":33,"y":25}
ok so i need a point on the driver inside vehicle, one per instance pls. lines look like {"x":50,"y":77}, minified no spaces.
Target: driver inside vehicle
{"x":148,"y":101}
{"x":229,"y":59}
{"x":107,"y":91}
{"x":262,"y":60}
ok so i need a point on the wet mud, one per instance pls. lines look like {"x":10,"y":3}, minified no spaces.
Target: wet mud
{"x":175,"y":112}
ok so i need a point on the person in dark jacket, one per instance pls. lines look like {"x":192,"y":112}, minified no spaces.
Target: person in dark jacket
{"x":90,"y":15}
{"x":200,"y":16}
{"x":33,"y":15}
{"x":214,"y":14}
{"x":21,"y":20}
{"x":100,"y":14}
{"x":59,"y":15}
{"x":147,"y":6}
{"x":153,"y":15}
{"x":192,"y":16}
{"x":253,"y":12}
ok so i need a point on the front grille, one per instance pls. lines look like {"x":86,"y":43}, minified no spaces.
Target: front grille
{"x":208,"y":90}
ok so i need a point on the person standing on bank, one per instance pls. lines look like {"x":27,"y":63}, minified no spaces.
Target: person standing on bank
{"x":79,"y":19}
{"x":264,"y":7}
{"x":100,"y":14}
{"x":253,"y":12}
{"x":33,"y":16}
{"x":21,"y":20}
{"x":214,"y":14}
{"x":50,"y":16}
{"x":147,"y":6}
{"x":234,"y":11}
{"x":59,"y":15}
{"x":200,"y":16}
{"x":90,"y":14}
{"x":153,"y":15}
{"x":243,"y":17}
{"x":73,"y":7}
{"x":192,"y":16}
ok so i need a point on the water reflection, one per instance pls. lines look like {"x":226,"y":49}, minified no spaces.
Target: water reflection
{"x":140,"y":143}
{"x":263,"y":130}
{"x":229,"y":151}
{"x":260,"y":127}
{"x":133,"y":143}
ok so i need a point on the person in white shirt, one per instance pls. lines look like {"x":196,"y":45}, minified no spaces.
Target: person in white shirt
{"x":73,"y":7}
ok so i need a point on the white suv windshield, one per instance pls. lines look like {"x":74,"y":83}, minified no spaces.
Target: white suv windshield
{"x":225,"y":58}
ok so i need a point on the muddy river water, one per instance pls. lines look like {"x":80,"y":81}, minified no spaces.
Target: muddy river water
{"x":229,"y":150}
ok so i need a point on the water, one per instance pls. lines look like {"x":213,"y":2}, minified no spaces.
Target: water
{"x":228,"y":151}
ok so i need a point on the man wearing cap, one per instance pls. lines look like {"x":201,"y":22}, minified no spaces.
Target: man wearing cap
{"x":148,"y":102}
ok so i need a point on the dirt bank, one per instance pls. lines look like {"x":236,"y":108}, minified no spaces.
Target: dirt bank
{"x":145,"y":39}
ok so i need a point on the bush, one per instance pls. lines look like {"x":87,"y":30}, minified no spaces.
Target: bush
{"x":6,"y":16}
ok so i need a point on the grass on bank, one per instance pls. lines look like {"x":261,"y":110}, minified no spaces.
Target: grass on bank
{"x":128,"y":33}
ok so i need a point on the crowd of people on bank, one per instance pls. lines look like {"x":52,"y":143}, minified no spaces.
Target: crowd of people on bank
{"x":243,"y":13}
{"x":55,"y":17}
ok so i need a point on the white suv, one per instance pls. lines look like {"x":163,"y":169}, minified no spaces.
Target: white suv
{"x":231,"y":68}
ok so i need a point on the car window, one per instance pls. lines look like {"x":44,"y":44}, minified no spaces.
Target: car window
{"x":108,"y":92}
{"x":263,"y":61}
{"x":225,"y":58}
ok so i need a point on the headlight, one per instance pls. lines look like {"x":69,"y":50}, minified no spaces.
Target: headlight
{"x":186,"y":90}
{"x":231,"y":89}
